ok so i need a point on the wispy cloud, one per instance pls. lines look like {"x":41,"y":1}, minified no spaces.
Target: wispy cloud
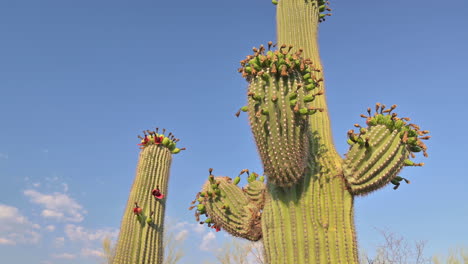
{"x":3,"y":155}
{"x":64,"y":256}
{"x":182,"y":235}
{"x":16,"y":228}
{"x":87,"y":252}
{"x":207,"y":242}
{"x":50,"y":228}
{"x":184,"y":229}
{"x":79,"y":233}
{"x":58,"y":206}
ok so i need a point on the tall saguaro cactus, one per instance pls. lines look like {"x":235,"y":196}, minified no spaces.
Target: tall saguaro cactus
{"x":304,"y":212}
{"x":141,"y":232}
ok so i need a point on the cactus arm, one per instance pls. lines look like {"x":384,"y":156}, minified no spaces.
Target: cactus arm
{"x":226,"y":206}
{"x":141,"y":233}
{"x":381,"y":150}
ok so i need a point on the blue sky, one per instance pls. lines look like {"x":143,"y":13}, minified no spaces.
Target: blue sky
{"x":79,"y":80}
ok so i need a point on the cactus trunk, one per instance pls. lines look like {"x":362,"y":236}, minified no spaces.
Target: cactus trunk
{"x":311,"y":222}
{"x":141,"y":232}
{"x":306,"y":206}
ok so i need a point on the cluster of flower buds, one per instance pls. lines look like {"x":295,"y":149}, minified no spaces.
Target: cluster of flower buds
{"x":278,"y":63}
{"x":250,"y":177}
{"x":153,"y":138}
{"x":410,"y":134}
{"x":324,"y":7}
{"x":282,"y":63}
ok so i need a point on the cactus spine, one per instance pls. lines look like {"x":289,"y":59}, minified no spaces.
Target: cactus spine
{"x":306,"y":206}
{"x":141,"y":232}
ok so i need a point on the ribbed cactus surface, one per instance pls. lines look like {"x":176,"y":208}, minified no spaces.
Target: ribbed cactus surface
{"x":141,"y":232}
{"x":305,"y":208}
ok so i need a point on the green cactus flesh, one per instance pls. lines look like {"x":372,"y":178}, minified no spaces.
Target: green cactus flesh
{"x":280,"y":94}
{"x":141,"y":232}
{"x":227,"y":206}
{"x":306,"y":205}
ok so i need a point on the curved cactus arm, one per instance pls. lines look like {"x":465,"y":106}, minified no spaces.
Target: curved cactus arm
{"x":141,"y":232}
{"x":255,"y":190}
{"x":379,"y":152}
{"x":236,"y":210}
{"x":281,"y":89}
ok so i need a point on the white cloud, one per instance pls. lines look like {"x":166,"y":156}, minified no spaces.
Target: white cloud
{"x":199,"y":228}
{"x":182,"y":235}
{"x":16,"y":228}
{"x":50,"y":228}
{"x":87,"y":252}
{"x":58,"y":206}
{"x":177,"y":225}
{"x":5,"y":241}
{"x":36,"y":184}
{"x":52,"y":214}
{"x":64,"y":256}
{"x":76,"y":233}
{"x":65,"y":187}
{"x":59,"y":242}
{"x":207,"y":241}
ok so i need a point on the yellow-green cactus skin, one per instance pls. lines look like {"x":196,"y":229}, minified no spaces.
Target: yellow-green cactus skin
{"x":141,"y":232}
{"x":304,"y":211}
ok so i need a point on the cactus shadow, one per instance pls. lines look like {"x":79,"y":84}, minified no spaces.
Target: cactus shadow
{"x":315,"y":173}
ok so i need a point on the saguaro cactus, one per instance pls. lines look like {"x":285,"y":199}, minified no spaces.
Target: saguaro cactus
{"x":304,"y":212}
{"x":141,"y":232}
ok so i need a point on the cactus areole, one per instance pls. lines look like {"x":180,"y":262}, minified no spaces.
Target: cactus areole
{"x":304,"y":211}
{"x":141,"y":232}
